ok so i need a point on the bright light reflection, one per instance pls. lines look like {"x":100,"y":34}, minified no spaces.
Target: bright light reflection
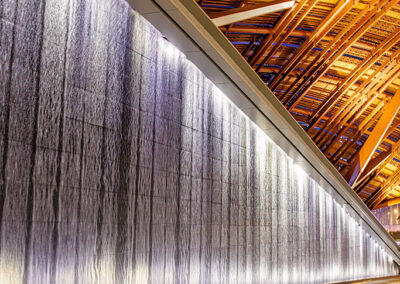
{"x":9,"y":273}
{"x":141,"y":273}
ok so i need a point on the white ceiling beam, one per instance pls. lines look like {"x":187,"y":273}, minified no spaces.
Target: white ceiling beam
{"x":240,"y":14}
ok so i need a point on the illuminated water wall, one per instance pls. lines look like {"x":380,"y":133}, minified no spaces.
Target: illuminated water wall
{"x":121,"y":163}
{"x":389,"y":217}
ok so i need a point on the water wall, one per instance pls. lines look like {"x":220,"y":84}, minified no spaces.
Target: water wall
{"x":120,"y":162}
{"x":389,"y":217}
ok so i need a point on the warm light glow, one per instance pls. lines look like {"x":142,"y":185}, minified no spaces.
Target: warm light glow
{"x":9,"y":273}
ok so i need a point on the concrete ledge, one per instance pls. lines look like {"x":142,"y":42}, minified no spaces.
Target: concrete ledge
{"x":185,"y":24}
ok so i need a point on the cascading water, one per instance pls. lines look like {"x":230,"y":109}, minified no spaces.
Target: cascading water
{"x":120,"y":162}
{"x":389,"y":217}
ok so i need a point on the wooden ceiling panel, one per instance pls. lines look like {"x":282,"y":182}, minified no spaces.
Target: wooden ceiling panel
{"x":334,"y":64}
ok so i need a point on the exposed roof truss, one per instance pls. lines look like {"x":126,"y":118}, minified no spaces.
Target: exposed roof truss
{"x":334,"y":64}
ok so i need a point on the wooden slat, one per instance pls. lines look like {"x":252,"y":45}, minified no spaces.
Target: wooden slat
{"x":335,"y":66}
{"x":374,"y":139}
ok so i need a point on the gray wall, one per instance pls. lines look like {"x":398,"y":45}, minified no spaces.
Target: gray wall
{"x":120,"y":162}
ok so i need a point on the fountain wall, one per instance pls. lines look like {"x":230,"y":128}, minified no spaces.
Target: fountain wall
{"x":120,"y":162}
{"x":389,"y":217}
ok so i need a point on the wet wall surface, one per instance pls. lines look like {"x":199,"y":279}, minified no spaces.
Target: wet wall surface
{"x":121,"y":163}
{"x":389,"y":217}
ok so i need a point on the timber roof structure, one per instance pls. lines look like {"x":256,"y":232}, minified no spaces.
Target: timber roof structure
{"x":335,"y":66}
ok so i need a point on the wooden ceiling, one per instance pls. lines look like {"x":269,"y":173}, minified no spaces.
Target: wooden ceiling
{"x":335,"y":66}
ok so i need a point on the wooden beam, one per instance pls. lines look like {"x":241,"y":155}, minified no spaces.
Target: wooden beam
{"x":364,"y":126}
{"x":344,"y":123}
{"x":373,"y":165}
{"x":366,"y":94}
{"x":289,"y":98}
{"x":251,"y":11}
{"x":337,"y":119}
{"x":283,"y":22}
{"x":347,"y":37}
{"x":260,"y":49}
{"x":364,"y":183}
{"x":353,"y":35}
{"x":245,"y":29}
{"x":242,"y":3}
{"x":266,"y":31}
{"x":383,"y":191}
{"x":387,"y":203}
{"x":373,"y":141}
{"x":393,"y":153}
{"x":285,"y":36}
{"x":249,"y":47}
{"x":341,"y":8}
{"x":368,"y":61}
{"x":380,"y":83}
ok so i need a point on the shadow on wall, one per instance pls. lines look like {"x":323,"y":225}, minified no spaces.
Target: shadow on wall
{"x":120,"y":162}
